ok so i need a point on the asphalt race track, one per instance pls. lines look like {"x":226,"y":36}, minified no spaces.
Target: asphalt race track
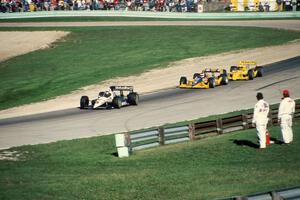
{"x":167,"y":106}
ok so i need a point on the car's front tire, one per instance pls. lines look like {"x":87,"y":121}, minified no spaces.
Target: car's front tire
{"x":250,"y":74}
{"x":84,"y":102}
{"x":183,"y":80}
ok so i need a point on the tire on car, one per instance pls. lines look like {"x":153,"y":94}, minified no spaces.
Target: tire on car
{"x":133,"y":98}
{"x":224,"y":80}
{"x":93,"y":103}
{"x":211,"y":82}
{"x":84,"y":102}
{"x":260,"y":71}
{"x":117,"y":102}
{"x":183,"y":80}
{"x":250,"y":74}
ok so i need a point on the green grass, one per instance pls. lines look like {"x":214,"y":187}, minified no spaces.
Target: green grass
{"x":206,"y":169}
{"x":93,"y":54}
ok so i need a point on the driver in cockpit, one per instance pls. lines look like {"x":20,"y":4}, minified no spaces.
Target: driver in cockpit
{"x":105,"y":94}
{"x":198,"y":78}
{"x":218,"y":72}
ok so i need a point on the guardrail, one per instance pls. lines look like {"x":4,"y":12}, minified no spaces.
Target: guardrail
{"x":291,"y":193}
{"x":188,"y":132}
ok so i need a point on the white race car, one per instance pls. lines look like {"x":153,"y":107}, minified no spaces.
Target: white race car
{"x":114,"y":97}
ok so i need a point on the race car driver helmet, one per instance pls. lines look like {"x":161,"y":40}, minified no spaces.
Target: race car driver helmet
{"x":107,"y":93}
{"x":101,"y":94}
{"x":207,"y":70}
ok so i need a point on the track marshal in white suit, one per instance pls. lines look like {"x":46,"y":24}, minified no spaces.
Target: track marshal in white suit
{"x":285,"y":116}
{"x":260,"y":119}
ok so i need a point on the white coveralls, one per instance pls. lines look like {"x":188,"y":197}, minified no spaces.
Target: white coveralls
{"x":260,"y":119}
{"x":285,"y":115}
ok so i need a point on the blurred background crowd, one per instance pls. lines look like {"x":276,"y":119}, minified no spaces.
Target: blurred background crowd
{"x":149,"y":5}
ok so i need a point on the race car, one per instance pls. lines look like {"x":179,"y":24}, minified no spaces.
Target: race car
{"x":114,"y":97}
{"x":208,"y":78}
{"x":246,"y":70}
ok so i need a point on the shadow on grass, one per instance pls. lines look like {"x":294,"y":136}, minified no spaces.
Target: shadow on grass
{"x":245,"y":143}
{"x":253,"y":145}
{"x":276,"y":141}
{"x":115,"y":154}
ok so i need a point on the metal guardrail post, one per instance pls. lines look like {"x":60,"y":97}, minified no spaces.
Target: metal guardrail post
{"x":275,"y":196}
{"x":219,"y":124}
{"x":192,"y":131}
{"x":270,"y":116}
{"x":161,"y":134}
{"x":122,"y":144}
{"x":245,"y":121}
{"x":128,"y":141}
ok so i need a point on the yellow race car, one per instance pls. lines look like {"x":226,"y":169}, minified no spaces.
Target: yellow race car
{"x":246,"y":70}
{"x":208,"y":78}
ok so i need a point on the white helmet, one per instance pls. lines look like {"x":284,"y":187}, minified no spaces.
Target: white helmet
{"x":207,"y":70}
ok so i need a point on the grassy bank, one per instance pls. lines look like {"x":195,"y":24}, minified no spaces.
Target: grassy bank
{"x":205,"y":169}
{"x":93,"y":54}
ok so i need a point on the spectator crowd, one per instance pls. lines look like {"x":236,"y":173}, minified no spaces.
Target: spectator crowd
{"x":127,"y":5}
{"x":135,"y":5}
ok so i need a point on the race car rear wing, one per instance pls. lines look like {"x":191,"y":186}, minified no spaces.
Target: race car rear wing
{"x":214,"y":70}
{"x":247,"y":62}
{"x":121,"y":88}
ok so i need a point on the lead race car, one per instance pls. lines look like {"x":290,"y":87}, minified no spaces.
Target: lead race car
{"x":246,"y":70}
{"x":114,"y":97}
{"x":208,"y":78}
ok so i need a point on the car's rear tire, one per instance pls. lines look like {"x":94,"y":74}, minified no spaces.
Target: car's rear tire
{"x":250,"y":74}
{"x":211,"y":83}
{"x":117,"y":102}
{"x":93,"y":103}
{"x":224,"y":80}
{"x":260,"y":71}
{"x":133,"y":98}
{"x":84,"y":102}
{"x":233,"y":68}
{"x":183,"y":80}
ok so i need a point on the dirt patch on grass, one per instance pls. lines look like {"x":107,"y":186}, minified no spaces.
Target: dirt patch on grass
{"x":15,"y":43}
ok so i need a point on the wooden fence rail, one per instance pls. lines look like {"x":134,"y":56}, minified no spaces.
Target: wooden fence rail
{"x":197,"y":130}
